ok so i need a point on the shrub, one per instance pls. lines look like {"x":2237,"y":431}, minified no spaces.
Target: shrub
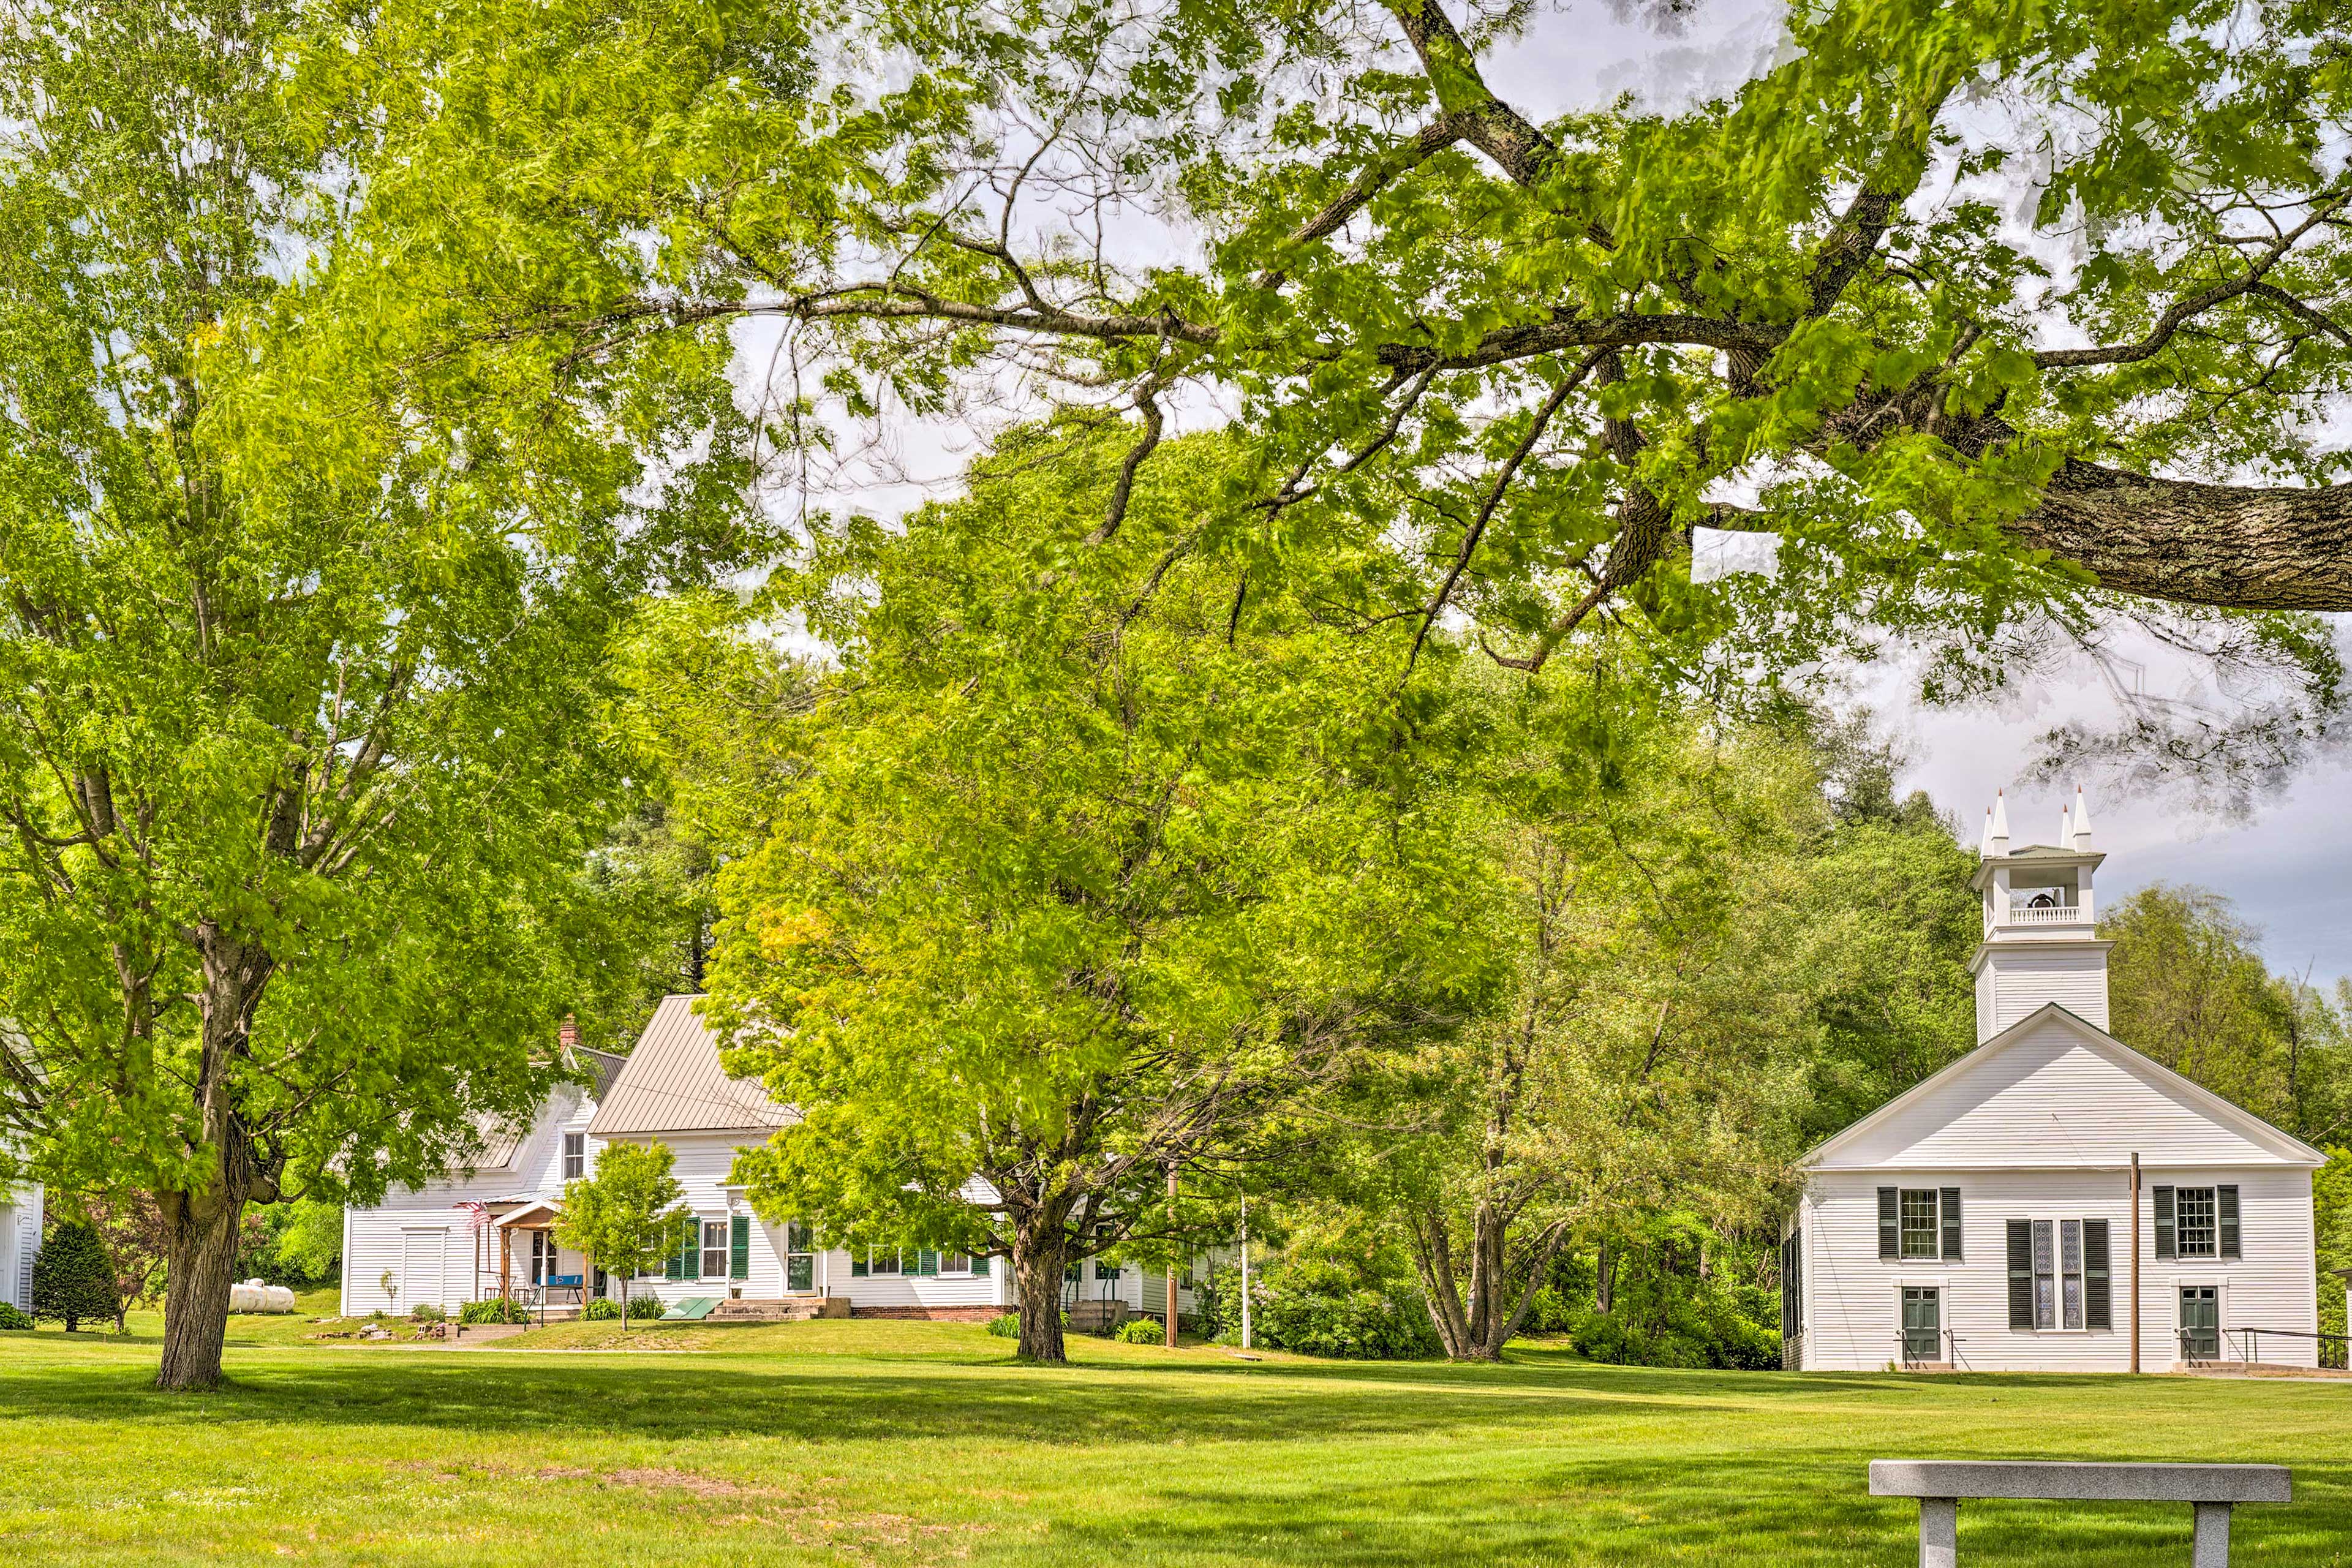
{"x":600,"y":1310}
{"x":1142,"y":1331}
{"x":428,"y":1313}
{"x":646,"y":1307}
{"x":71,"y":1277}
{"x":10,"y":1318}
{"x":1317,"y":1309}
{"x":1007,"y":1327}
{"x":493,"y":1309}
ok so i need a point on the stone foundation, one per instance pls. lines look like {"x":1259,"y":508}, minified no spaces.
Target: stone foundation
{"x":932,"y":1314}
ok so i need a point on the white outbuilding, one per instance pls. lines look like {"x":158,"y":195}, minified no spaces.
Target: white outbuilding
{"x":2054,"y":1201}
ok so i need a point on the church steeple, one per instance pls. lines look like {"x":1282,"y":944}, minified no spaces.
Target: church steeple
{"x":2041,"y":941}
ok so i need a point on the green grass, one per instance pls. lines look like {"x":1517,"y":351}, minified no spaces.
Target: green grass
{"x":922,"y":1443}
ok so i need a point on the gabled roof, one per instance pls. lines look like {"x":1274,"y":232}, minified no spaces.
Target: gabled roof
{"x":2044,"y":1069}
{"x":673,"y":1083}
{"x":601,"y":1068}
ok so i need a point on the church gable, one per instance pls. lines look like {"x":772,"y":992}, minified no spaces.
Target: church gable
{"x":2054,"y":1092}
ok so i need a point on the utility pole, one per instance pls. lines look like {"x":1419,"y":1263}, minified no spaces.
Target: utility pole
{"x":1171,"y":1257}
{"x":1245,"y":1316}
{"x":2135,"y":1267}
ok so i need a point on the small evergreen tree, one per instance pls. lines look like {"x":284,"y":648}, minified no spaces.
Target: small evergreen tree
{"x":71,"y":1277}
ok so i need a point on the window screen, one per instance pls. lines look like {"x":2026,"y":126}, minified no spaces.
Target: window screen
{"x":714,"y":1250}
{"x":2069,"y":1267}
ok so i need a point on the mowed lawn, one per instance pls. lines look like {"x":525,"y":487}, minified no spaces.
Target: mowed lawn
{"x":919,"y":1443}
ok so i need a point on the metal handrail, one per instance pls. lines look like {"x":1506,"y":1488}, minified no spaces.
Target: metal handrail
{"x":2249,"y":1344}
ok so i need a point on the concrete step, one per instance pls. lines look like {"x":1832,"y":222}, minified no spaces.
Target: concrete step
{"x":786,"y":1309}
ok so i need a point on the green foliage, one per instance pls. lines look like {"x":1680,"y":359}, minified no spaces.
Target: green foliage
{"x":600,"y":1310}
{"x":1319,"y":1309}
{"x":297,"y":1244}
{"x":1140,"y":1331}
{"x":428,"y":1313}
{"x":644,"y":1306}
{"x":492,"y":1310}
{"x":1005,"y":1326}
{"x":1120,"y":842}
{"x":11,"y":1318}
{"x":625,"y":1215}
{"x":1504,"y":353}
{"x":72,"y":1280}
{"x":308,"y":649}
{"x":2189,"y":987}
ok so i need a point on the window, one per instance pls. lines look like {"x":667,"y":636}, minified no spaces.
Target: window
{"x":1920,"y":1237}
{"x":2058,"y":1274}
{"x":2070,"y":1273}
{"x":575,"y":1155}
{"x":1792,"y":1285}
{"x":542,"y":1256}
{"x":2199,"y":1235}
{"x":2197,"y":1222}
{"x":915,"y":1260}
{"x":2045,"y":1298}
{"x":800,"y":1259}
{"x":1916,"y":1223}
{"x":714,"y":1250}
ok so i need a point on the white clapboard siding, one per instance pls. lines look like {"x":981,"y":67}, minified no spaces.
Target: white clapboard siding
{"x":1852,"y":1295}
{"x":2056,"y":1094}
{"x":2027,"y":975}
{"x":376,"y":1249}
{"x":20,"y":1238}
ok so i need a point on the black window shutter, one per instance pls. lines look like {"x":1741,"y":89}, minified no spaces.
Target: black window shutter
{"x":2098,"y":1311}
{"x":2164,"y":1247}
{"x":1948,"y":1209}
{"x":1890,"y":1223}
{"x":2020,"y":1274}
{"x":2225,"y":1207}
{"x":739,"y":1248}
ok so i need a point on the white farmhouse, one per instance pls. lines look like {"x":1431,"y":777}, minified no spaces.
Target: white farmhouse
{"x":1986,"y":1220}
{"x":490,"y":1231}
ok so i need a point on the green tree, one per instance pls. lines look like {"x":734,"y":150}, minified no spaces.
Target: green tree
{"x":1087,"y":875}
{"x":625,"y":1217}
{"x":1528,"y":357}
{"x":129,"y":1229}
{"x":73,"y":1278}
{"x":305,"y":668}
{"x":2187,"y":987}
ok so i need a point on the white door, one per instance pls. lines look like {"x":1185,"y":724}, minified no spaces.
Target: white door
{"x":422,"y":1255}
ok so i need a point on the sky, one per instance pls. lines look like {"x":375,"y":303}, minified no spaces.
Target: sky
{"x":2284,"y":858}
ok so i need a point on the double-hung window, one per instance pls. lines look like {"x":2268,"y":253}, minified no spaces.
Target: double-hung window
{"x":2197,"y":1222}
{"x":714,"y":1250}
{"x":575,"y":1155}
{"x":1919,"y":1223}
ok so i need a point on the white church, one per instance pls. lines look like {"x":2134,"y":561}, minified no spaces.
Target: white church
{"x":2054,"y":1201}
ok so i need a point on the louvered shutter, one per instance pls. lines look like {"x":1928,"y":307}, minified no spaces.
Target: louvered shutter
{"x":858,"y":1268}
{"x":2225,"y":1208}
{"x":2020,"y":1274}
{"x":1890,"y":1223}
{"x":2098,"y":1310}
{"x":738,"y":1248}
{"x":673,"y":1267}
{"x":927,"y":1262}
{"x":1948,"y":1206}
{"x":2165,"y":1244}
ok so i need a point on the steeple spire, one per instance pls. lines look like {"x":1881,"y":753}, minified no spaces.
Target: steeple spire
{"x":2078,"y":837}
{"x":1997,"y":830}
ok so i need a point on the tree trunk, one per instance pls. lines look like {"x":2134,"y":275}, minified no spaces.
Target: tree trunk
{"x":200,"y":1231}
{"x":1038,"y":1252}
{"x":1604,"y":1278}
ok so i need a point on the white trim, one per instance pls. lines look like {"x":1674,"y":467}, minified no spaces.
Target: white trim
{"x":2284,"y":1146}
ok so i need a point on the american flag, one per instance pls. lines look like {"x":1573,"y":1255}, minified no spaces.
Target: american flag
{"x":477,"y":1214}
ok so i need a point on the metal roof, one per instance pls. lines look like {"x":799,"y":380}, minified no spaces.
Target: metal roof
{"x":673,"y":1083}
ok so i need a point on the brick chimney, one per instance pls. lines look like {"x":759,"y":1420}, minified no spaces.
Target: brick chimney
{"x":568,"y":1037}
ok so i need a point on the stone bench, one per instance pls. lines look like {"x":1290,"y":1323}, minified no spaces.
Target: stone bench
{"x":2209,"y":1489}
